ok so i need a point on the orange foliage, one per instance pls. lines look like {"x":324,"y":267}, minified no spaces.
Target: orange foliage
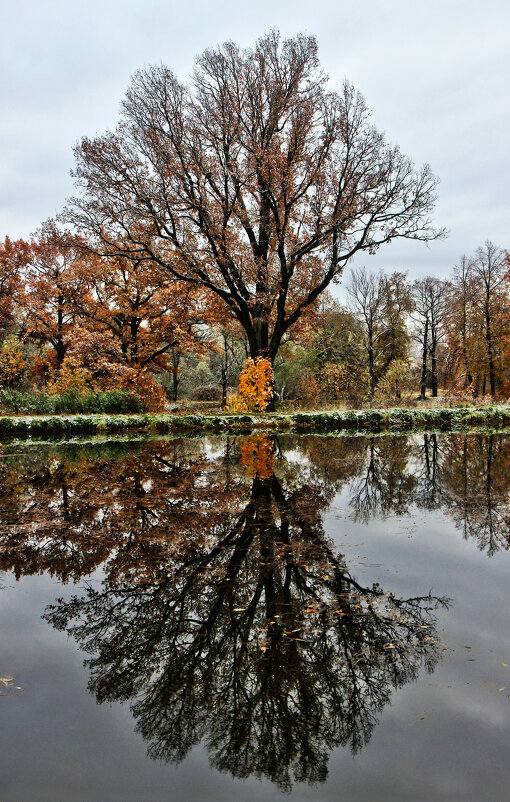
{"x":256,"y":384}
{"x":142,"y":384}
{"x":142,"y":306}
{"x":52,"y":289}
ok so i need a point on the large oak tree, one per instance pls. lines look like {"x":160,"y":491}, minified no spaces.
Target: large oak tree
{"x":254,"y":181}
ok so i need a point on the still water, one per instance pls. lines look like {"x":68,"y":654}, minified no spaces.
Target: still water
{"x":256,"y":618}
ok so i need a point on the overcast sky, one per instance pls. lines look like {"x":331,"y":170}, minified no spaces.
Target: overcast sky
{"x":436,"y":76}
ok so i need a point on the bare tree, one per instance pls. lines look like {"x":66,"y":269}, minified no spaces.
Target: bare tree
{"x":461,"y":324}
{"x":254,"y":181}
{"x":380,"y":303}
{"x":489,"y":270}
{"x":367,"y":304}
{"x":430,"y":307}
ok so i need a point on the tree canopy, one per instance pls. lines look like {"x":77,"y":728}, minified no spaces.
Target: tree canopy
{"x":254,"y":181}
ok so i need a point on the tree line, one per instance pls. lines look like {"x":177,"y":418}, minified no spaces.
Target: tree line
{"x":70,"y":319}
{"x":397,"y":338}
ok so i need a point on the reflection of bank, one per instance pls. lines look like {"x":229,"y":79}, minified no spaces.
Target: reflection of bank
{"x":250,"y":633}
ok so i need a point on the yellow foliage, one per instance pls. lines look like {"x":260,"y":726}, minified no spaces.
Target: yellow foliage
{"x":12,"y":363}
{"x":334,"y":382}
{"x":256,"y":384}
{"x":396,"y":382}
{"x":69,"y":377}
{"x":236,"y":404}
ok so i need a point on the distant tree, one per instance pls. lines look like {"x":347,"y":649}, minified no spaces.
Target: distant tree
{"x":365,"y":291}
{"x":430,"y":315}
{"x":13,"y":259}
{"x":228,"y":358}
{"x":53,"y":286}
{"x":338,"y":338}
{"x":461,"y":330}
{"x":397,"y":305}
{"x":255,"y":182}
{"x":489,"y":269}
{"x":381,"y":304}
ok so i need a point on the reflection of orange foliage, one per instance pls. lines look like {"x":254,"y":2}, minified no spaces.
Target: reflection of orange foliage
{"x":257,"y":455}
{"x":256,"y":384}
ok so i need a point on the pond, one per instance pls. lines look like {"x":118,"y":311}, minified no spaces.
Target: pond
{"x":256,"y":618}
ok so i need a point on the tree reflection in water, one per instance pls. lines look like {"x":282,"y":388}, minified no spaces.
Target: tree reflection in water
{"x":224,"y":616}
{"x":465,"y":475}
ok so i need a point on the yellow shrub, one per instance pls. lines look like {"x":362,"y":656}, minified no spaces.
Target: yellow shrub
{"x":256,"y":384}
{"x":12,"y":363}
{"x":69,"y":377}
{"x":236,"y":404}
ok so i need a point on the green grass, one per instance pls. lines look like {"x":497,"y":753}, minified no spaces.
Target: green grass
{"x":371,"y":420}
{"x":69,"y":403}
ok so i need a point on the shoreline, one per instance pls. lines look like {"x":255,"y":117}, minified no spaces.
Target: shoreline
{"x":369,"y":420}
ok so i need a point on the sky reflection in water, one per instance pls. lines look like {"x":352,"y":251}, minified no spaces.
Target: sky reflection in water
{"x":255,"y":602}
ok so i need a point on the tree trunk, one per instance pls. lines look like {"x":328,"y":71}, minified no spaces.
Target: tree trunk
{"x":464,"y":347}
{"x":433,"y":364}
{"x":223,"y":388}
{"x":176,"y":359}
{"x":423,"y":382}
{"x":490,"y":354}
{"x":60,"y":346}
{"x":175,"y":386}
{"x":371,"y":366}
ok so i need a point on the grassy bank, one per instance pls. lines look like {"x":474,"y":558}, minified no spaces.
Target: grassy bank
{"x":351,"y":420}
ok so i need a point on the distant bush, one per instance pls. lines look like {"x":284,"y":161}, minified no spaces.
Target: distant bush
{"x":70,"y":402}
{"x":396,"y":384}
{"x":206,"y":392}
